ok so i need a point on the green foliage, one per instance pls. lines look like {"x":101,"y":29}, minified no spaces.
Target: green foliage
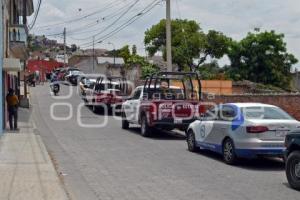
{"x":134,"y":50}
{"x":216,"y":45}
{"x":210,"y":71}
{"x":262,"y":58}
{"x":187,"y":39}
{"x":124,"y":52}
{"x":148,"y":70}
{"x":189,"y":42}
{"x":136,"y":60}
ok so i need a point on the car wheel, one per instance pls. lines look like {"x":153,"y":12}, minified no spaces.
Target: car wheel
{"x":293,"y":169}
{"x":125,"y":123}
{"x":229,"y":155}
{"x":95,"y":109}
{"x":146,"y":131}
{"x":191,"y":141}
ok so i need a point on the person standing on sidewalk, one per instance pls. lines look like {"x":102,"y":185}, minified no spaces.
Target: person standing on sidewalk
{"x":12,"y":103}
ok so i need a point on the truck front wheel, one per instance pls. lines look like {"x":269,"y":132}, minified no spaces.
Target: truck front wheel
{"x":293,"y":169}
{"x":146,"y":131}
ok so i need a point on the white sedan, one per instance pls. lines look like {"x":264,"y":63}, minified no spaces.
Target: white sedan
{"x":244,"y":130}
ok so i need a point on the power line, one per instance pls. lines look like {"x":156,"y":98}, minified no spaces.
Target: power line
{"x":108,"y":6}
{"x":147,"y":9}
{"x":35,"y":15}
{"x":115,"y":21}
{"x":74,"y":31}
{"x":105,"y":18}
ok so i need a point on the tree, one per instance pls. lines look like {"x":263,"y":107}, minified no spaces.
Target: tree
{"x":261,"y":57}
{"x":124,"y":52}
{"x":211,"y":71}
{"x":216,"y":45}
{"x":187,"y":40}
{"x":74,"y":47}
{"x":135,"y":60}
{"x":134,"y":50}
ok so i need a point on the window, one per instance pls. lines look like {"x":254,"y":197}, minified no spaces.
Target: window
{"x":265,"y":113}
{"x":228,"y":113}
{"x":137,"y":94}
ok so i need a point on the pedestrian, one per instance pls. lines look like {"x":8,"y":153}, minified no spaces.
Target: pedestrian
{"x":12,"y":103}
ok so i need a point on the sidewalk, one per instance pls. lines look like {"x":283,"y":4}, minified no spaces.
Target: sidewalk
{"x":26,"y":170}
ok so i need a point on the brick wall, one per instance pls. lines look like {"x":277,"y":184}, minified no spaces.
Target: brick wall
{"x":288,"y":102}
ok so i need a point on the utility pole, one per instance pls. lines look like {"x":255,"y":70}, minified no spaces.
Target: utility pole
{"x":169,"y":36}
{"x":65,"y":45}
{"x":93,"y":54}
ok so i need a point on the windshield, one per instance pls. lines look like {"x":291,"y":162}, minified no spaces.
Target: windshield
{"x":265,"y":113}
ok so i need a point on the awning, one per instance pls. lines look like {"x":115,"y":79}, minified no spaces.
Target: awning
{"x":12,"y":64}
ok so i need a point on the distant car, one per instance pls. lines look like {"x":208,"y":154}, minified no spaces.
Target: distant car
{"x":292,"y":157}
{"x":73,"y":76}
{"x":242,"y":130}
{"x":106,"y":92}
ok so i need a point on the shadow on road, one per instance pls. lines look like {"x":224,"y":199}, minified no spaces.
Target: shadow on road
{"x":159,"y":134}
{"x":258,"y":164}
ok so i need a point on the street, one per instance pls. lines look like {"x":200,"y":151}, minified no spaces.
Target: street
{"x":111,"y":163}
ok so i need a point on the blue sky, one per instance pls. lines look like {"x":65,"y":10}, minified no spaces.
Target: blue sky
{"x":233,"y":17}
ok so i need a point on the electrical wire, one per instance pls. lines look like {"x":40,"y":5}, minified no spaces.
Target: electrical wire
{"x":35,"y":15}
{"x":147,"y":9}
{"x":105,"y":8}
{"x":114,"y":22}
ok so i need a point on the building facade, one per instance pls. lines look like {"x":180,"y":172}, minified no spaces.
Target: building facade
{"x":14,"y":38}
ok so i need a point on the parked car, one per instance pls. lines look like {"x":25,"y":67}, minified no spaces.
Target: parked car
{"x":242,"y":130}
{"x":168,"y":100}
{"x":108,"y":92}
{"x":292,"y":157}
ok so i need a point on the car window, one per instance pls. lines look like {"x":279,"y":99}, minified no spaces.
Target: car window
{"x":211,"y":114}
{"x":137,"y":94}
{"x":227,"y":113}
{"x":265,"y":113}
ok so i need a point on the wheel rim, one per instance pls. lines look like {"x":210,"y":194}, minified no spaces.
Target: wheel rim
{"x":191,"y":141}
{"x":228,"y":151}
{"x":297,"y":169}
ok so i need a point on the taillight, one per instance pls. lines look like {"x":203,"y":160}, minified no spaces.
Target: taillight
{"x":202,"y":109}
{"x":257,"y":129}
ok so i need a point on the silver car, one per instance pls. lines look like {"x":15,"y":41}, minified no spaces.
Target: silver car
{"x":241,"y":130}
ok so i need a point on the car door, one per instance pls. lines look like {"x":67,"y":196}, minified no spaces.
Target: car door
{"x":131,"y":106}
{"x":210,"y":133}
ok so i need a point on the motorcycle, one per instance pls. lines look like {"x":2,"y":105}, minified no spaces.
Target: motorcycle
{"x":55,"y":89}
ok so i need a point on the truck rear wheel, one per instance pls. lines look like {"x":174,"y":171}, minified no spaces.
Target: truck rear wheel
{"x":146,"y":131}
{"x":125,"y":123}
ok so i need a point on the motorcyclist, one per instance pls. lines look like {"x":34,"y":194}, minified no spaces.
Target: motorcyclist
{"x":54,"y":81}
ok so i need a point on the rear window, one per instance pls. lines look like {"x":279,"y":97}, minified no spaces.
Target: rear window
{"x":265,"y":113}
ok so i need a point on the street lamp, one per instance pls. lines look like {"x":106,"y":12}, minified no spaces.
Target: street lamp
{"x":114,"y":52}
{"x":94,"y":52}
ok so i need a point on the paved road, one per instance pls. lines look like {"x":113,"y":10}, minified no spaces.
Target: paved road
{"x":110,"y":163}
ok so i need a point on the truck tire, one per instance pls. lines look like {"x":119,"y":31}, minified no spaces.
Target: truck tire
{"x":125,"y":123}
{"x":293,"y":170}
{"x":146,"y":131}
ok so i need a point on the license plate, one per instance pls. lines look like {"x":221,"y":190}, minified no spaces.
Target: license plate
{"x":281,"y":133}
{"x":177,"y":121}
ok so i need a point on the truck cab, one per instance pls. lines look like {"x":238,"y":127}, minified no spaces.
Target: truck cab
{"x":166,"y":101}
